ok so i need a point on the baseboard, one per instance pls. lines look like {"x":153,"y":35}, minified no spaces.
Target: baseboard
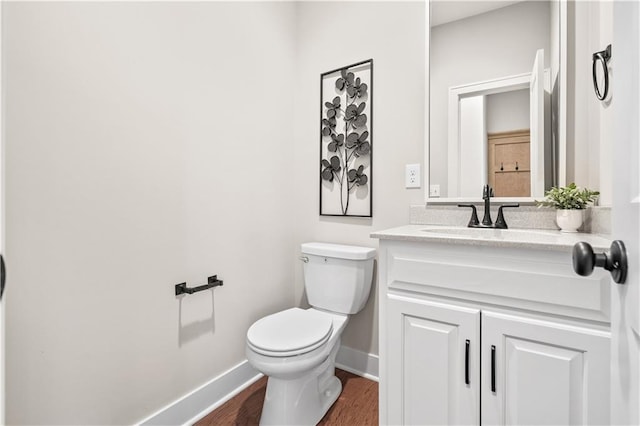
{"x":201,"y":401}
{"x":357,"y":362}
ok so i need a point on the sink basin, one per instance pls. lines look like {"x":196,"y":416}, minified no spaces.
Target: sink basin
{"x":483,"y":232}
{"x":534,"y":236}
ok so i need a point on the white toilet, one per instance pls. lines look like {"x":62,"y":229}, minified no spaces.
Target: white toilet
{"x":297,"y":348}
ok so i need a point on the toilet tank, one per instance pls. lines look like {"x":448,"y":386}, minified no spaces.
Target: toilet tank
{"x":337,"y":278}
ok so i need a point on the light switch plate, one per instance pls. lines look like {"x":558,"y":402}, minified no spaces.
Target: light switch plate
{"x":412,"y":179}
{"x":434,"y":191}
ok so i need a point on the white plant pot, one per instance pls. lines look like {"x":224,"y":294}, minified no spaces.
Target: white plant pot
{"x":569,"y":220}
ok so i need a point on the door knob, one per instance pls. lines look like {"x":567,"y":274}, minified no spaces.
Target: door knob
{"x":614,"y":261}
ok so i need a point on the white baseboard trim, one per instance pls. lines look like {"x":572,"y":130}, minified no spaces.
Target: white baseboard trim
{"x":357,"y":362}
{"x":201,"y":401}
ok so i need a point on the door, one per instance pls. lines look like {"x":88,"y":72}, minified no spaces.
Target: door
{"x":540,"y":372}
{"x":536,"y":122}
{"x":2,"y":248}
{"x":509,"y":163}
{"x":625,"y":298}
{"x":435,"y":347}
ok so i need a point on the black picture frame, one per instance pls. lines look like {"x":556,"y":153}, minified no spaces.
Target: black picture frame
{"x":346,"y":133}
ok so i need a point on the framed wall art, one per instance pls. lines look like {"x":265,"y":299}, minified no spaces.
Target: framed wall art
{"x":346,"y":112}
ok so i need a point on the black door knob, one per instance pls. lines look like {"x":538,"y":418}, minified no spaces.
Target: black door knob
{"x":614,"y":261}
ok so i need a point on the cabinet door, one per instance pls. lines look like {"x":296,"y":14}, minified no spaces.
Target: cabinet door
{"x":543,"y":372}
{"x":432,"y":363}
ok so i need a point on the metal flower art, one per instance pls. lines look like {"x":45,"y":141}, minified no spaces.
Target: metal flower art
{"x":359,"y":143}
{"x":329,"y":126}
{"x":357,"y":177}
{"x":358,"y":89}
{"x":346,"y":80}
{"x":348,"y":145}
{"x":331,"y":168}
{"x":333,"y":107}
{"x":354,"y":115}
{"x":336,"y":142}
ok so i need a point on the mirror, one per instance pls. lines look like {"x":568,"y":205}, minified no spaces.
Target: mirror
{"x":495,"y":98}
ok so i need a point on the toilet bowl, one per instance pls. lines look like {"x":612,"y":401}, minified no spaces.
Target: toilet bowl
{"x":302,"y":383}
{"x":296,"y":348}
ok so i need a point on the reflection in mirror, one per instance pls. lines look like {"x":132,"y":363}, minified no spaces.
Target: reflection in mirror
{"x":494,"y":69}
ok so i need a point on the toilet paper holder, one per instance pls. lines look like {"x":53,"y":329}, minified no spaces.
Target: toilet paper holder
{"x":212,"y":281}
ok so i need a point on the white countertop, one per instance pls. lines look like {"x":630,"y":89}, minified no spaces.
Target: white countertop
{"x":523,"y":238}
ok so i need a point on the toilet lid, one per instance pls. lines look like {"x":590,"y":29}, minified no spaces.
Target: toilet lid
{"x":290,"y":332}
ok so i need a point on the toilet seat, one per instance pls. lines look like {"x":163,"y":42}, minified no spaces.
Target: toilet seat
{"x":291,"y":332}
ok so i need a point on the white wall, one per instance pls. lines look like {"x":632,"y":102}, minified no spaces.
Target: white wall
{"x":495,"y":44}
{"x":508,"y":111}
{"x":473,"y":145}
{"x":146,"y":144}
{"x":589,"y":121}
{"x":335,"y":34}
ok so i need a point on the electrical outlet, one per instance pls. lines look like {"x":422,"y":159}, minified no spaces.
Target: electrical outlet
{"x":434,"y":191}
{"x":412,"y":177}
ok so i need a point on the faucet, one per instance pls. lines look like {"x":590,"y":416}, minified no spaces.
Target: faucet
{"x":487,"y":193}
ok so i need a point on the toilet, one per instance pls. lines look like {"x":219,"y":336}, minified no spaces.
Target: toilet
{"x":296,"y":348}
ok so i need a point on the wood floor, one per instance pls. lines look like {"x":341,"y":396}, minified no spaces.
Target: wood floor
{"x":356,"y":406}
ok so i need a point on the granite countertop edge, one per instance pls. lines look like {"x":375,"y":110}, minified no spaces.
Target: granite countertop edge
{"x":566,"y":241}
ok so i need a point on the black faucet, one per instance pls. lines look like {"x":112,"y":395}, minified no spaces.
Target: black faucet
{"x":487,"y":193}
{"x":500,"y":222}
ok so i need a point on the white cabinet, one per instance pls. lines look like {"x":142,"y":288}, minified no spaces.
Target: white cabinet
{"x":438,"y":348}
{"x":543,"y":372}
{"x":464,"y":343}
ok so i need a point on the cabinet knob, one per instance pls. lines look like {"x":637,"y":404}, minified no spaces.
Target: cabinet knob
{"x":493,"y":368}
{"x":467,"y":344}
{"x":614,"y":260}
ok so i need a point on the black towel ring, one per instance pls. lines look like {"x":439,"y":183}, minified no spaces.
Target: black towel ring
{"x":601,"y":58}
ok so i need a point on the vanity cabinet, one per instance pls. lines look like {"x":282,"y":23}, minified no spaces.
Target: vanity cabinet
{"x":543,"y":372}
{"x":475,"y":334}
{"x":434,"y":363}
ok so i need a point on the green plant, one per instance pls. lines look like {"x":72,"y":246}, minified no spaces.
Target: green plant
{"x":569,"y":197}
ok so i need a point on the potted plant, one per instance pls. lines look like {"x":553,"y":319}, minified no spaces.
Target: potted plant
{"x":569,"y":202}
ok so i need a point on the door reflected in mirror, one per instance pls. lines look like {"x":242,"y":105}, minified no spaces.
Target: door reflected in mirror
{"x":494,"y":77}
